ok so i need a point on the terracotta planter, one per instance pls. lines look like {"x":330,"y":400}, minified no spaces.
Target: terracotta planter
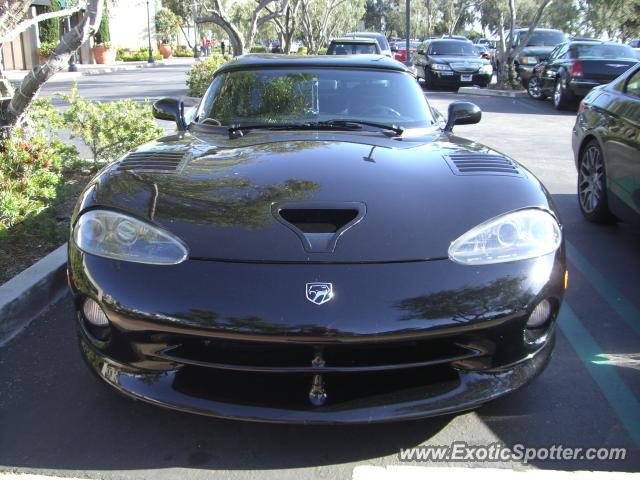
{"x":41,"y":58}
{"x":104,"y":55}
{"x":165,"y":50}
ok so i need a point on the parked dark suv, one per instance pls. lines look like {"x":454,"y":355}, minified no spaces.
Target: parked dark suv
{"x":575,"y":67}
{"x":537,"y":49}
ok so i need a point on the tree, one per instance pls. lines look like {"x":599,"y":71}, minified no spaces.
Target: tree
{"x":321,"y":19}
{"x":12,"y":23}
{"x":214,"y":11}
{"x":166,"y":25}
{"x":616,"y":18}
{"x":286,"y":25}
{"x":495,"y":14}
{"x":49,"y":30}
{"x":182,"y":10}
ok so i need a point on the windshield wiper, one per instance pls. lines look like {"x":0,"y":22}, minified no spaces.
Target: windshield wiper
{"x":354,"y":124}
{"x":237,"y":131}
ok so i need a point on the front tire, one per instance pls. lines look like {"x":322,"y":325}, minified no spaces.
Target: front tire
{"x":561,"y":96}
{"x":592,"y":185}
{"x":535,"y":89}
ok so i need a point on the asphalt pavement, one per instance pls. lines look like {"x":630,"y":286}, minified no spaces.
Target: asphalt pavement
{"x":56,"y":418}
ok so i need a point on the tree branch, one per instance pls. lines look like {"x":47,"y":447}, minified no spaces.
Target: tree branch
{"x":70,"y":42}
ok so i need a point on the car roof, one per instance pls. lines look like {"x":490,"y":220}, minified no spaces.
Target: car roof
{"x":448,"y":39}
{"x":524,"y":29}
{"x":267,"y":60}
{"x":368,"y":41}
{"x":378,"y":34}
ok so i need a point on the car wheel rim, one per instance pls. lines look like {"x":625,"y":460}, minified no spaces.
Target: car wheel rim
{"x":557,"y":94}
{"x":534,"y":88}
{"x":590,"y":176}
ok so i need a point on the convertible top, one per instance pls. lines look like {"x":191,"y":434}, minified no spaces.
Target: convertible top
{"x":331,"y":61}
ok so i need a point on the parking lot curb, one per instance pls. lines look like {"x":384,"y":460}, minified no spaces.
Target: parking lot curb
{"x":488,"y":92}
{"x":29,"y":293}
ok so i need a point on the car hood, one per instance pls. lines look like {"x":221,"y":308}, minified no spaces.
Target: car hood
{"x":223,"y":197}
{"x":460,"y":59}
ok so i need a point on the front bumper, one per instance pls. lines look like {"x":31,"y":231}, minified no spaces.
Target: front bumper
{"x":456,"y":78}
{"x":240,"y":340}
{"x":469,"y":390}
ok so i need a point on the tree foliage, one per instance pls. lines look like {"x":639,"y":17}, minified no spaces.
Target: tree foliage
{"x":167,"y":25}
{"x":49,"y":30}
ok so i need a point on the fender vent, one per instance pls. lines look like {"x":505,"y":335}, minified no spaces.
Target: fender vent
{"x":482,"y":164}
{"x":158,"y":161}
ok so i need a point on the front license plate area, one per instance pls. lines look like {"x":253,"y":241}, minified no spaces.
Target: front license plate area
{"x":466,"y":78}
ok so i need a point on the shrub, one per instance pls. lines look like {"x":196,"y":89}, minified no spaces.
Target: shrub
{"x":109,"y":129}
{"x":259,"y":49}
{"x":31,"y":163}
{"x":199,"y":76}
{"x":49,"y":30}
{"x":302,"y":51}
{"x":103,"y":35}
{"x":138,"y":56}
{"x":167,"y":25}
{"x":47,"y":48}
{"x":183,"y":53}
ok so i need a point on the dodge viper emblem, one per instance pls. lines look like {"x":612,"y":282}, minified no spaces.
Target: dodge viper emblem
{"x":319,"y":293}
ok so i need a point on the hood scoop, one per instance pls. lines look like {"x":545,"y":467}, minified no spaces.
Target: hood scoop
{"x":152,"y":161}
{"x":319,"y":225}
{"x":481,"y":164}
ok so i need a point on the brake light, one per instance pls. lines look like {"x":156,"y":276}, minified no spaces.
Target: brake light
{"x":581,"y":106}
{"x":576,"y":69}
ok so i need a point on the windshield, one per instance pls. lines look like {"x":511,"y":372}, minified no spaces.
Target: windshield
{"x":352,"y":48}
{"x":543,"y":38}
{"x":452,"y":48}
{"x":605,"y":51}
{"x":282,"y":96}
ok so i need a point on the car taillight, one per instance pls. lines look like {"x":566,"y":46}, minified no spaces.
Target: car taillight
{"x":581,"y":106}
{"x":576,"y":69}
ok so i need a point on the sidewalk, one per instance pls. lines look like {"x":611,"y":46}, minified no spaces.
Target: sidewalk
{"x":95,"y":69}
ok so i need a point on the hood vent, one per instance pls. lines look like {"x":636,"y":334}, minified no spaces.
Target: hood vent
{"x":319,"y":225}
{"x":158,"y":161}
{"x":481,"y":164}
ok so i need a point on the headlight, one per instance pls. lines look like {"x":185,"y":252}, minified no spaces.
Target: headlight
{"x":120,"y":237}
{"x":517,"y":235}
{"x":486,"y":69}
{"x":529,"y":60}
{"x":440,"y":66}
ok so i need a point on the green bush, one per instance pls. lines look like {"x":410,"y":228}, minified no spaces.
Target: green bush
{"x":103,"y":35}
{"x":31,"y":166}
{"x":183,"y":53}
{"x":109,"y":129}
{"x":167,"y":25}
{"x":47,"y":48}
{"x":138,"y":56}
{"x":199,"y":76}
{"x":259,"y":49}
{"x":302,"y":51}
{"x":49,"y":30}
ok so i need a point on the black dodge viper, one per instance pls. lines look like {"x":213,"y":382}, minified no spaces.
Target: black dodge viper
{"x":313,"y":244}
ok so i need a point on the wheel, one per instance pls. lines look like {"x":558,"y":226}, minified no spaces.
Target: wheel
{"x":592,"y":185}
{"x":535,"y":89}
{"x":561,"y":97}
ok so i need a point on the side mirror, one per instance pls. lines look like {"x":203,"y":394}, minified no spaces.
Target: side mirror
{"x":170,"y":109}
{"x":462,"y":113}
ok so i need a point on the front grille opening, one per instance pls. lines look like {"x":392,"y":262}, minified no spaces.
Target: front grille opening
{"x":328,"y":220}
{"x":292,"y":390}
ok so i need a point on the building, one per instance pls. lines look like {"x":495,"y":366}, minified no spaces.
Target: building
{"x":128,"y":28}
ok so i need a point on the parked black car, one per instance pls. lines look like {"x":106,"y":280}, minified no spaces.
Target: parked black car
{"x":606,"y":145}
{"x":311,"y":246}
{"x":353,"y":46}
{"x":537,"y":49}
{"x":575,"y":67}
{"x":449,"y":62}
